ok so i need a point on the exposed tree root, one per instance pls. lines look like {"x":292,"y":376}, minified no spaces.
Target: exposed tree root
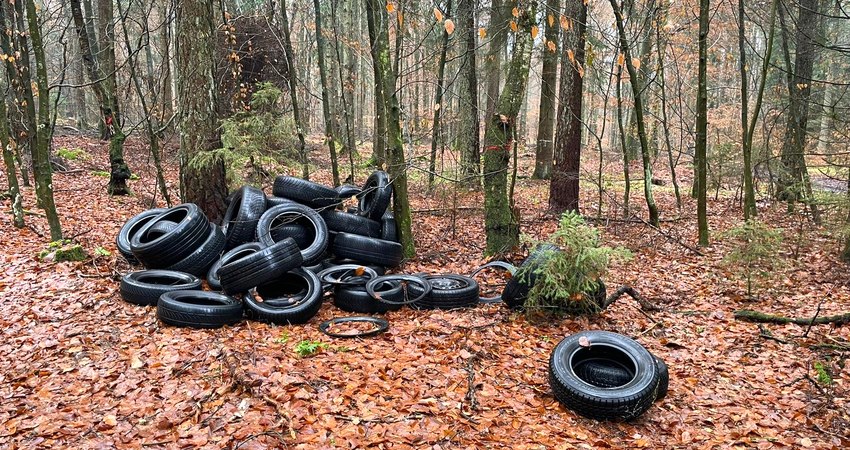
{"x":756,"y":316}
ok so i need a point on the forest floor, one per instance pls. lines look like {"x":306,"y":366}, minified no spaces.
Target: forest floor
{"x":80,"y":368}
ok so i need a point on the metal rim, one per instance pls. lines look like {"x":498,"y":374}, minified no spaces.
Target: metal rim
{"x":372,"y":284}
{"x":346,"y":278}
{"x":500,"y":264}
{"x":381,"y":325}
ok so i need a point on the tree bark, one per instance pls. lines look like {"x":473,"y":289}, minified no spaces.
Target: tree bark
{"x":438,"y":100}
{"x":166,"y":89}
{"x":702,"y":123}
{"x":661,"y":46}
{"x":293,"y":92}
{"x":203,"y":178}
{"x":469,"y":135}
{"x":546,"y":120}
{"x":41,"y":149}
{"x":396,"y":167}
{"x":564,"y":188}
{"x":637,"y":89}
{"x":622,"y":133}
{"x":326,"y":107}
{"x":14,"y":191}
{"x":500,"y":221}
{"x":498,"y":34}
{"x":379,"y":143}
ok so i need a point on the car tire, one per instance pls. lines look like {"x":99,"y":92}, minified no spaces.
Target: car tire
{"x":146,"y":286}
{"x":517,"y":288}
{"x":130,"y":228}
{"x":355,"y":299}
{"x":300,"y":309}
{"x":302,"y":215}
{"x":198,"y":263}
{"x":213,"y":279}
{"x":368,"y":250}
{"x":259,"y":267}
{"x":306,"y":192}
{"x":160,"y":251}
{"x":448,"y":291}
{"x":198,"y":309}
{"x":243,"y":213}
{"x":624,"y":402}
{"x":376,"y":195}
{"x":344,"y":222}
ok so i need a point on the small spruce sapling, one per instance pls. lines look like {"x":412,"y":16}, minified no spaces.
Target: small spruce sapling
{"x":755,"y":252}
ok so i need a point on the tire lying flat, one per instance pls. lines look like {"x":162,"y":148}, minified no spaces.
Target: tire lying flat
{"x":624,"y":402}
{"x":259,"y":267}
{"x":368,"y":250}
{"x":198,"y":309}
{"x":146,"y":286}
{"x":293,"y":309}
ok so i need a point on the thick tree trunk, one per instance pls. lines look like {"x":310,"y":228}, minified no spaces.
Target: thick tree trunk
{"x":438,"y":101}
{"x":41,"y":149}
{"x":330,"y":137}
{"x":500,"y":221}
{"x":564,"y":188}
{"x":293,"y":93}
{"x":702,"y":123}
{"x":469,"y":134}
{"x":203,"y":178}
{"x":794,"y":184}
{"x":396,"y":167}
{"x":637,"y":89}
{"x":548,"y":99}
{"x":498,"y":35}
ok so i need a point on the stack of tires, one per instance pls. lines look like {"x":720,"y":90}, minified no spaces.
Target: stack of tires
{"x":265,"y":256}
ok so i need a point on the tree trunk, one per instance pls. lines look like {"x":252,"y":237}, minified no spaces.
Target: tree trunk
{"x":665,"y":121}
{"x":293,"y":92}
{"x":501,"y":222}
{"x":379,"y":143}
{"x":41,"y":149}
{"x":438,"y":101}
{"x":396,"y":167}
{"x":167,"y":92}
{"x":622,"y":133}
{"x":326,"y":107}
{"x":493,"y":63}
{"x":14,"y":191}
{"x":794,"y":184}
{"x":469,"y":135}
{"x":637,"y":88}
{"x":203,"y":178}
{"x":549,"y":75}
{"x":702,"y":123}
{"x":564,"y":188}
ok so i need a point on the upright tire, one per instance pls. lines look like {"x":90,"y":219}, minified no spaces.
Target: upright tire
{"x":160,"y":251}
{"x":130,"y":228}
{"x":242,"y":215}
{"x":376,"y":195}
{"x":584,"y":396}
{"x":302,"y":215}
{"x":517,"y":288}
{"x":298,"y":309}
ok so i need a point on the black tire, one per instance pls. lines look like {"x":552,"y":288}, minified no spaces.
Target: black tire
{"x":130,"y":228}
{"x":306,"y":192}
{"x":389,"y":228}
{"x":243,"y":213}
{"x":448,"y":291}
{"x":198,"y":263}
{"x":302,"y":215}
{"x":302,"y":235}
{"x":368,"y":250}
{"x":315,"y":268}
{"x":376,"y":195}
{"x":663,"y":379}
{"x":517,"y":288}
{"x":198,"y":309}
{"x":344,"y":222}
{"x":259,"y":267}
{"x":347,"y":191}
{"x":346,"y":275}
{"x":273,"y":201}
{"x":624,"y":402}
{"x":157,"y":252}
{"x":510,"y":268}
{"x":160,"y":228}
{"x":330,"y":262}
{"x":356,"y":299}
{"x":213,"y":279}
{"x":300,"y":309}
{"x":145,"y":286}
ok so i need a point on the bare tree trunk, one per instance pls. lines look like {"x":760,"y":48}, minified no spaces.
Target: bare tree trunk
{"x":620,"y":127}
{"x":493,"y":62}
{"x":500,"y":220}
{"x":665,"y":122}
{"x":167,"y":96}
{"x":9,"y":161}
{"x":326,"y":107}
{"x":549,"y":76}
{"x":203,"y":178}
{"x":702,"y":123}
{"x":379,"y":143}
{"x":293,"y":93}
{"x":469,"y":135}
{"x":43,"y":136}
{"x":637,"y":88}
{"x":564,"y":188}
{"x":438,"y":101}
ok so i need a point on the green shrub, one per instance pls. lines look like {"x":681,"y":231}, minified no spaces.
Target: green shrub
{"x":756,"y":246}
{"x":568,"y":278}
{"x":72,"y":154}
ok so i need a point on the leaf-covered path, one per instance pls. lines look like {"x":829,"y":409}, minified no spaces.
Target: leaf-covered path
{"x":79,"y":368}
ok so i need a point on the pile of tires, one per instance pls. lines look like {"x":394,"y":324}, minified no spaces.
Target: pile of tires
{"x":265,"y":256}
{"x":606,"y":376}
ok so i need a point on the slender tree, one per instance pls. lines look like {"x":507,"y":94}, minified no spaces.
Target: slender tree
{"x":438,"y":99}
{"x":330,"y":137}
{"x":500,"y":221}
{"x":469,"y":135}
{"x":702,"y":123}
{"x":548,"y":99}
{"x":203,"y":179}
{"x":564,"y":188}
{"x":9,"y":161}
{"x":293,"y":92}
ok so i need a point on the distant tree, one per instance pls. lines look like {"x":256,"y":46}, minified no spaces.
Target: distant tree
{"x":702,"y":124}
{"x":548,"y":96}
{"x":330,"y":136}
{"x":469,"y":136}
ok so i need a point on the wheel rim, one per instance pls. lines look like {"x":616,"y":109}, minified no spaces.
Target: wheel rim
{"x":445,"y":284}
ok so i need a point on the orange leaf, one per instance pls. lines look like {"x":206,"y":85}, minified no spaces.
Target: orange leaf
{"x":514,"y":26}
{"x":515,"y":12}
{"x":534,"y":31}
{"x":551,"y":46}
{"x":390,"y":7}
{"x":571,"y":56}
{"x":551,"y":20}
{"x":110,"y":420}
{"x":621,"y":59}
{"x":482,"y":32}
{"x":400,"y":19}
{"x":450,"y":26}
{"x":636,"y":63}
{"x":438,"y":14}
{"x":564,"y":24}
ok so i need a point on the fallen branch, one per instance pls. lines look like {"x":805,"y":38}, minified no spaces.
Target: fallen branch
{"x":756,"y":316}
{"x":644,"y":304}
